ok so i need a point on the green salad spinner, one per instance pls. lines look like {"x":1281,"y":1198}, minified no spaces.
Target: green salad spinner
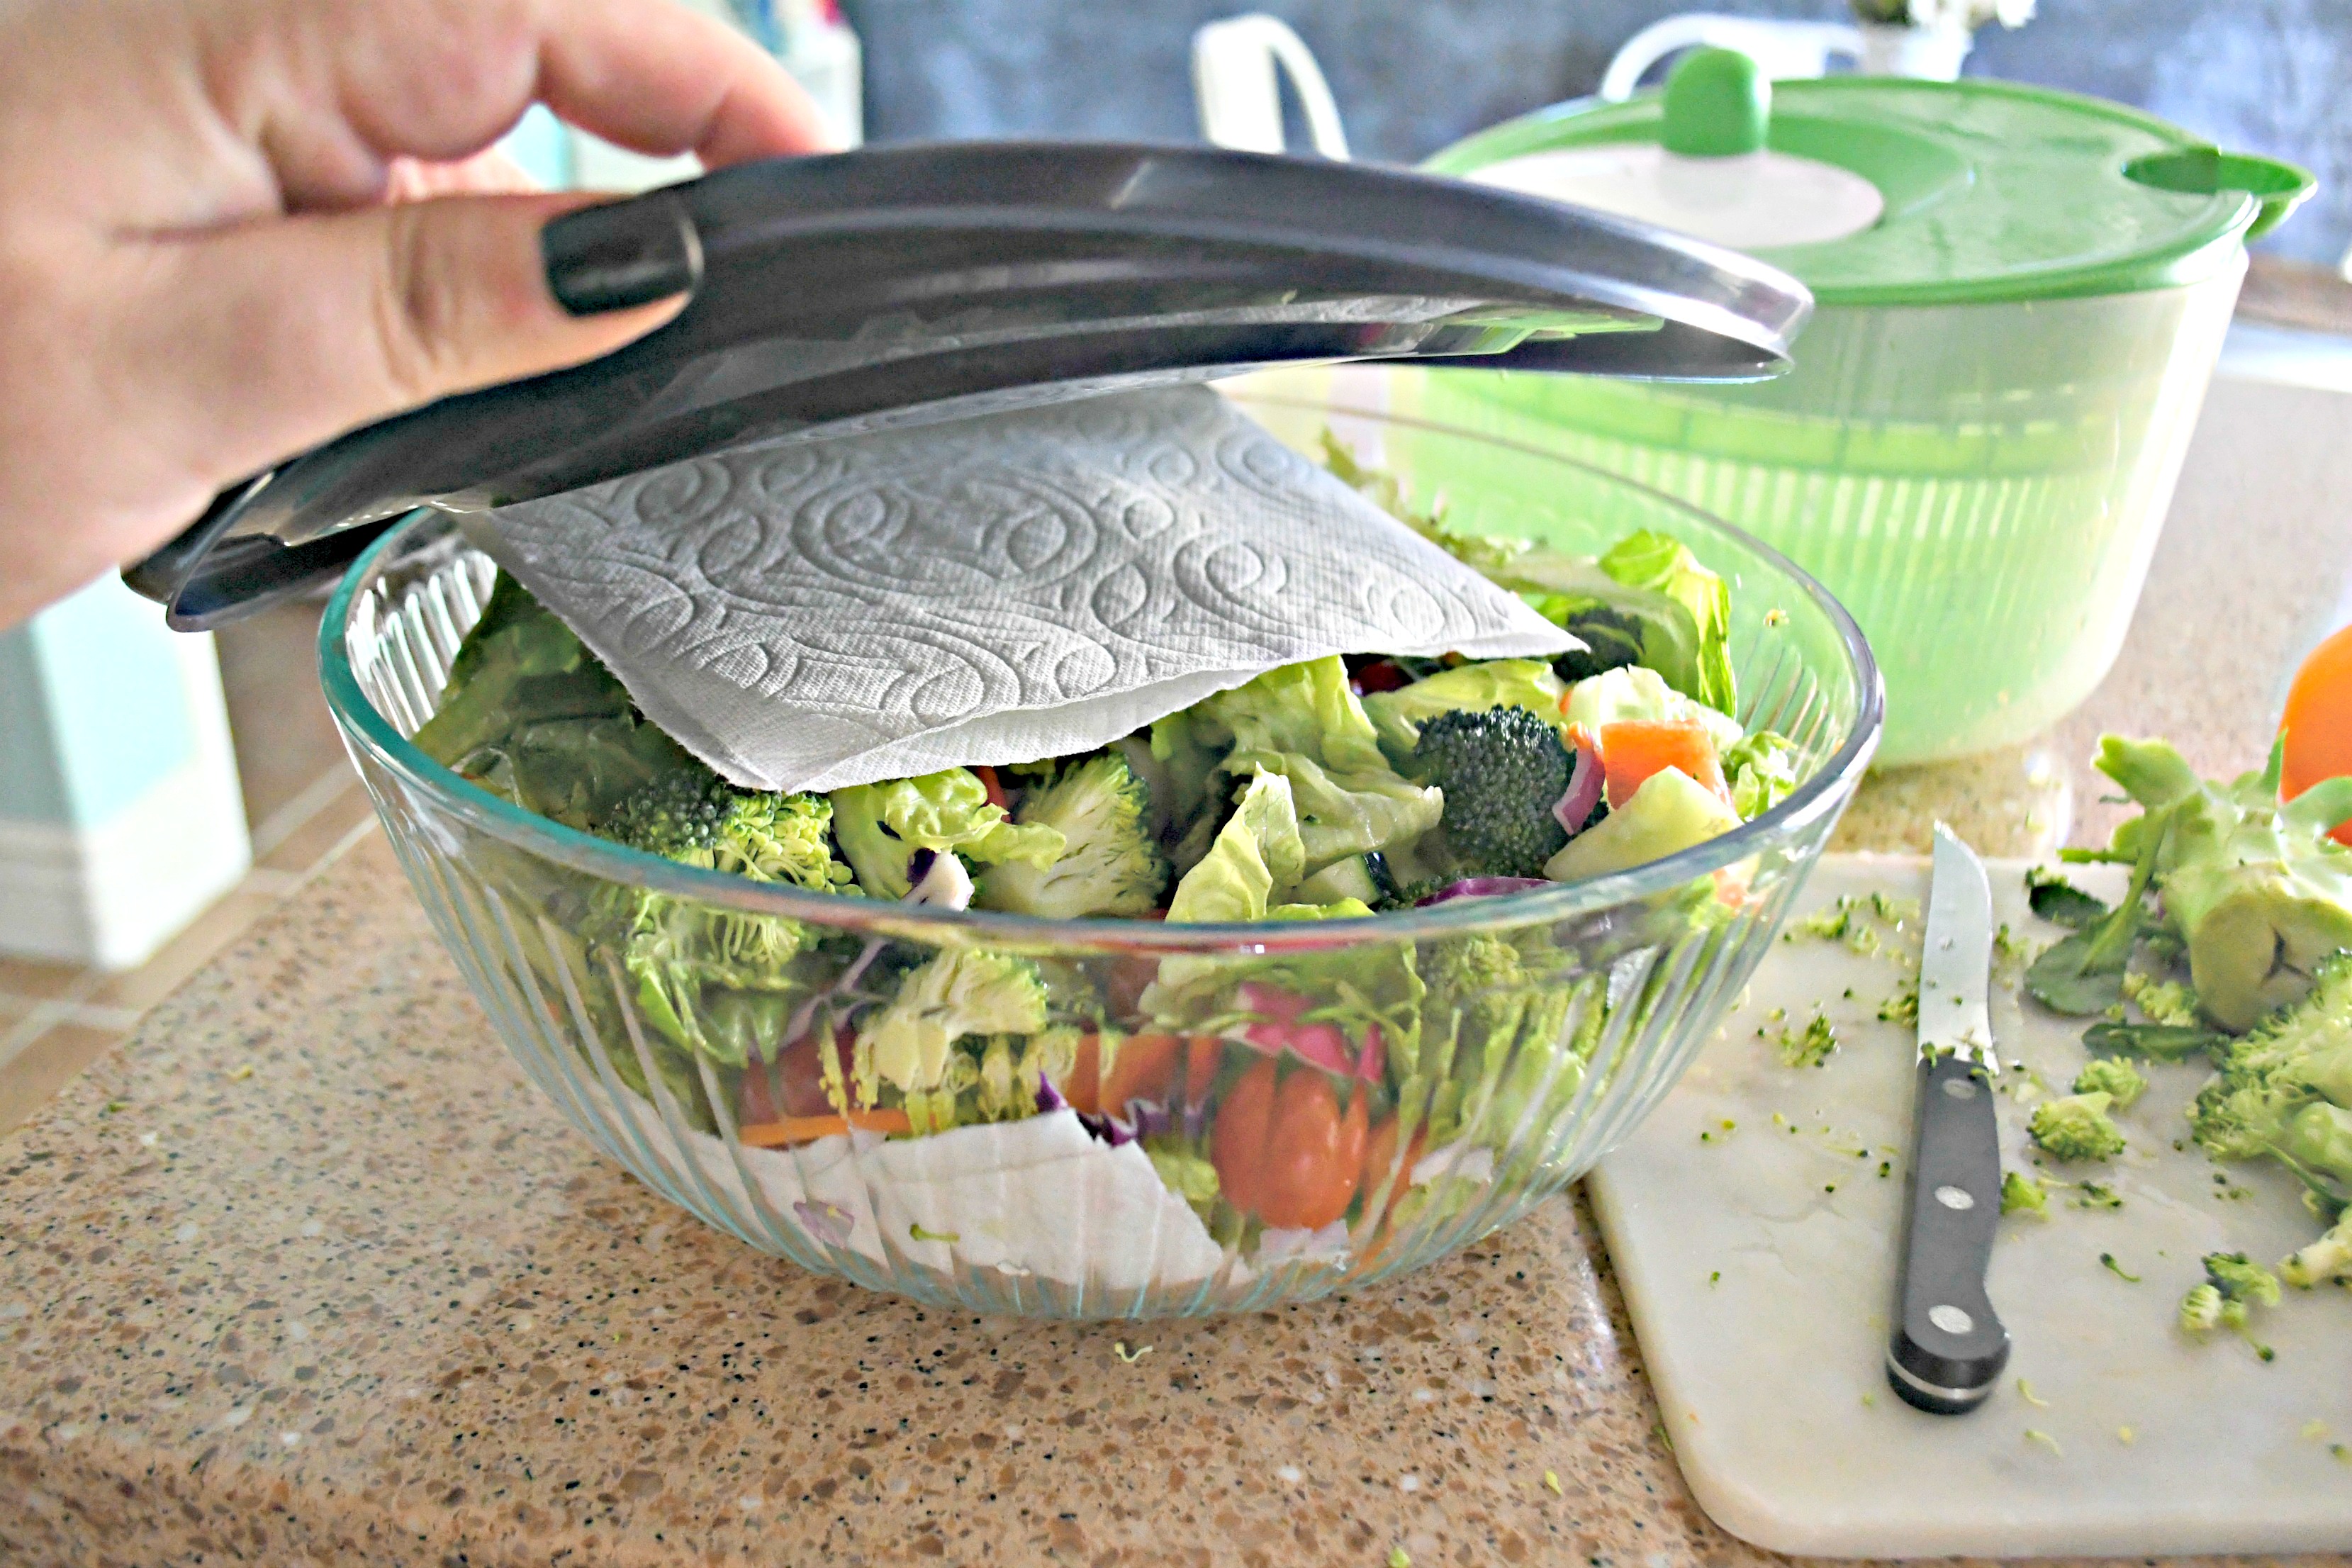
{"x":2020,"y":298}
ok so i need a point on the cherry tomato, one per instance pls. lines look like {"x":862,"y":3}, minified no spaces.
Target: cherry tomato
{"x":793,"y":1085}
{"x":1286,"y":1150}
{"x":1203,"y":1055}
{"x":1238,"y":1141}
{"x":2318,"y":721}
{"x":1378,"y":675}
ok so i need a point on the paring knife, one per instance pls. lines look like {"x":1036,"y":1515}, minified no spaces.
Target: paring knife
{"x":1948,"y":1347}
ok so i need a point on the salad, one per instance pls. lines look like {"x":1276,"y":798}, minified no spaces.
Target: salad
{"x":1284,"y":1104}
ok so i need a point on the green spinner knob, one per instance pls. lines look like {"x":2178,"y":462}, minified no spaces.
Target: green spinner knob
{"x":1718,"y":102}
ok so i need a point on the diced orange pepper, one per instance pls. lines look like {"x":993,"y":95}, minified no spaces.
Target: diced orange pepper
{"x":1633,"y":749}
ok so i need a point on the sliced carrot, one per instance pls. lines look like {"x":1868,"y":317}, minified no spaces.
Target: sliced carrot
{"x":808,"y":1129}
{"x":1204,"y":1054}
{"x":1632,"y":750}
{"x":1083,"y":1088}
{"x":987,"y":777}
{"x":1143,"y":1068}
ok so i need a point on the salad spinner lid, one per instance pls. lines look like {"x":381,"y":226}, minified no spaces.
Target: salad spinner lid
{"x":896,"y":285}
{"x":1992,"y":192}
{"x":1709,"y":172}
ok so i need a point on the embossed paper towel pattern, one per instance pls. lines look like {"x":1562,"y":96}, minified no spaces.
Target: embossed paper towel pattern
{"x":821,"y":614}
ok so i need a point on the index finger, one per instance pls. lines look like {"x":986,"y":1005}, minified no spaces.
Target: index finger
{"x":443,"y":80}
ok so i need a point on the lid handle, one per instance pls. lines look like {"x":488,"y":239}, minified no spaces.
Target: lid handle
{"x":2278,"y":188}
{"x":1719,"y":105}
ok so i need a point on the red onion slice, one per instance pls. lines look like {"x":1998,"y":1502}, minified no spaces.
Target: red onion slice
{"x":1481,"y":887}
{"x":1573,"y":809}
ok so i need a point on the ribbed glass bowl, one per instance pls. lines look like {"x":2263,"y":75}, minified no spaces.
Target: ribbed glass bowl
{"x":1037,"y":1215}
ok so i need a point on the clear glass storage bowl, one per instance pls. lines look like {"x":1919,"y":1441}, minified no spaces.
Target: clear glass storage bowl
{"x":1526,"y":1082}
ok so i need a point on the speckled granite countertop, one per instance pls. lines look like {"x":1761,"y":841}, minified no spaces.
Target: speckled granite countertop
{"x":370,"y":1301}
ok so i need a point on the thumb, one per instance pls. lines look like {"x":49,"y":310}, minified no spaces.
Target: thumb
{"x":277,"y":335}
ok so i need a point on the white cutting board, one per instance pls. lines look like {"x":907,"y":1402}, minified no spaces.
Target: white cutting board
{"x":1769,"y":1379}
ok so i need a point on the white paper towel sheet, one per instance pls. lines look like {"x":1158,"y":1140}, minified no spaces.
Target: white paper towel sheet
{"x":822,"y":614}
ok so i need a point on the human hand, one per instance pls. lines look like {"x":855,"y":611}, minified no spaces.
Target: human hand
{"x":231,"y":229}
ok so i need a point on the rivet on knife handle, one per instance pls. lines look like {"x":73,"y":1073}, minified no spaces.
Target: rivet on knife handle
{"x":1949,"y":1346}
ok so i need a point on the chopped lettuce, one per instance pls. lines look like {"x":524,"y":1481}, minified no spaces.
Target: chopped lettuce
{"x":1670,"y":813}
{"x":1256,"y":859}
{"x":1304,"y":722}
{"x":1647,"y":601}
{"x":881,"y":825}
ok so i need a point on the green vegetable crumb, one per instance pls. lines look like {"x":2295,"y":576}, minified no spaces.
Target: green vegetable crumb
{"x":2107,"y":1261}
{"x":1810,"y":1047}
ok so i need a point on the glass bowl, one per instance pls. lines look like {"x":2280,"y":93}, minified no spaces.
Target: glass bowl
{"x":1514,"y":1039}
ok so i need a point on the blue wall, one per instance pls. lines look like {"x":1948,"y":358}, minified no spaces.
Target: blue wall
{"x":93,"y":709}
{"x":2256,"y":76}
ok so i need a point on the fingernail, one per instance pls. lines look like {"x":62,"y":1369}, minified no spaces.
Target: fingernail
{"x":621,"y":255}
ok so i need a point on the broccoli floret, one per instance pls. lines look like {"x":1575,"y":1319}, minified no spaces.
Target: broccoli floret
{"x":2019,"y":1192}
{"x":1501,"y":771}
{"x":2329,"y":1257}
{"x":950,"y":995}
{"x":700,"y":819}
{"x":2114,"y":1077}
{"x":1612,"y":638}
{"x":2076,"y":1127}
{"x":1109,"y":865}
{"x":2282,"y":1088}
{"x":719,"y":981}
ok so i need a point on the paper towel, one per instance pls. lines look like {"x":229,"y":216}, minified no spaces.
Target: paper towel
{"x":816,"y":614}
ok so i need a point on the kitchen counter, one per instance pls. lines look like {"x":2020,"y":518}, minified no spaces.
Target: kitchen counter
{"x":306,"y":1273}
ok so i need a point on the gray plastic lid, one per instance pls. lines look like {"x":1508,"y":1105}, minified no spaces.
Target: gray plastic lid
{"x":901,"y":284}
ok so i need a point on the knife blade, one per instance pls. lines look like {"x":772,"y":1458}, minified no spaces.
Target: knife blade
{"x":1948,"y":1347}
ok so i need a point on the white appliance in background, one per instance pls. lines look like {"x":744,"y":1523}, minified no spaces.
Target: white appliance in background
{"x":1238,"y":66}
{"x":812,"y":41}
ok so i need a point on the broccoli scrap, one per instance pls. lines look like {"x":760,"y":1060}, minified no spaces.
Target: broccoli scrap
{"x":1501,"y":771}
{"x":2022,"y":1192}
{"x":2231,"y":1288}
{"x":1810,"y":1047}
{"x":2114,"y":1077}
{"x":2329,"y":1257}
{"x":2076,"y":1127}
{"x":2163,"y":1001}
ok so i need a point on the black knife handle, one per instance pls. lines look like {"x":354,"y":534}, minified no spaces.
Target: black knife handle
{"x":1949,"y":1346}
